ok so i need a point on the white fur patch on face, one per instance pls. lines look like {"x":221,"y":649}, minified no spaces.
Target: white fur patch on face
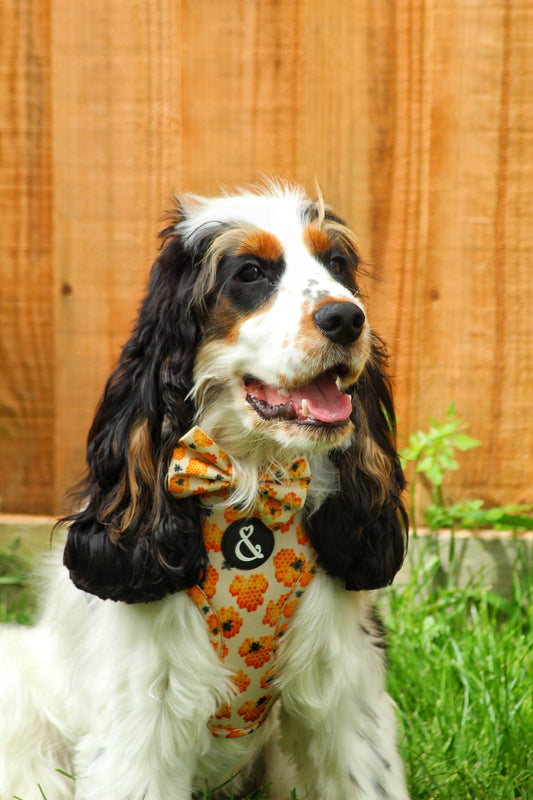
{"x":284,"y":344}
{"x":280,"y":208}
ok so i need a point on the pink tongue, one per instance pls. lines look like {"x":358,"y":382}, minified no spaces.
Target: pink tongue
{"x":324,"y":400}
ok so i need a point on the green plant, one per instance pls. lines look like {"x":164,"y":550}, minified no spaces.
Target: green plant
{"x":471,"y":515}
{"x":433,"y":453}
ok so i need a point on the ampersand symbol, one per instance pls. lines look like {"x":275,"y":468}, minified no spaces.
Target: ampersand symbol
{"x":254,"y":550}
{"x":247,"y":543}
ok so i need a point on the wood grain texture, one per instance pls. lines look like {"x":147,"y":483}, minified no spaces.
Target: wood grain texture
{"x":458,"y":242}
{"x":116,"y":148}
{"x":414,"y":117}
{"x":27,"y":392}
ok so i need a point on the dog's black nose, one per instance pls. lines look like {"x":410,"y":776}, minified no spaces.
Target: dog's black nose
{"x":341,"y":322}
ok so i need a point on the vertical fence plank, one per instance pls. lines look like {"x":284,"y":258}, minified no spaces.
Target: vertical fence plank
{"x":27,"y":457}
{"x":458,"y":210}
{"x":241,"y":74}
{"x":117,"y":154}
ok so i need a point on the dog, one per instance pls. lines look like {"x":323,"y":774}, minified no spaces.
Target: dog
{"x":211,"y":623}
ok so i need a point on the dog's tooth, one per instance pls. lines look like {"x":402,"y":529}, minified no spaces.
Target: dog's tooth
{"x":305,"y":408}
{"x":283,"y":392}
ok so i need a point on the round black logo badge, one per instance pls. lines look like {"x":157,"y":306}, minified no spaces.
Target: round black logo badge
{"x":247,"y":543}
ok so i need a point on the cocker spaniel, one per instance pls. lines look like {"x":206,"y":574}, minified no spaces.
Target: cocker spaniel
{"x":210,"y":625}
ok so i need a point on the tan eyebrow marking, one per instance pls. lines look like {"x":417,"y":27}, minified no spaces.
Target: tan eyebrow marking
{"x":262,"y":244}
{"x":317,"y":240}
{"x":223,"y":243}
{"x":342,"y":234}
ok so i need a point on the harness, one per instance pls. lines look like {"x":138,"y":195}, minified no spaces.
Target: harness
{"x":259,"y":567}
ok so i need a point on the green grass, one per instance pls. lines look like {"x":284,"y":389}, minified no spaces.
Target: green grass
{"x":17,"y":600}
{"x":460,"y":671}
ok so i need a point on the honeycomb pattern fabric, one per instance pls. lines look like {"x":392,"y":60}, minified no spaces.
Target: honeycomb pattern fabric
{"x":259,"y":567}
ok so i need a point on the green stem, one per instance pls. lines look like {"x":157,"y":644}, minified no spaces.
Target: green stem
{"x":412,"y":503}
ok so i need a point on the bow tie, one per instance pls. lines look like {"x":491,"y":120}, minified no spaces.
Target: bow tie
{"x":200,"y":467}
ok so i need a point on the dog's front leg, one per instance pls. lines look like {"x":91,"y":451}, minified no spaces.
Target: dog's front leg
{"x":337,"y":722}
{"x":141,"y":750}
{"x":148,"y":687}
{"x":346,"y":756}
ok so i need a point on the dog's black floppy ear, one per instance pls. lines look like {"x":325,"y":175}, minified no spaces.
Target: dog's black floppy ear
{"x":129,"y":541}
{"x":360,"y":532}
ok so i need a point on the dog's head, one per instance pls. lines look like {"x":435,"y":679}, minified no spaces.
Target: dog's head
{"x":286,"y":335}
{"x":253,"y":328}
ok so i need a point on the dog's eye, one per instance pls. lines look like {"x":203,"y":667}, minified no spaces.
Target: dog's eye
{"x":337,"y":264}
{"x":250,"y":272}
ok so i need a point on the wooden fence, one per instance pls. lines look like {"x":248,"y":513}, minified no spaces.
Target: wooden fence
{"x":416,"y":118}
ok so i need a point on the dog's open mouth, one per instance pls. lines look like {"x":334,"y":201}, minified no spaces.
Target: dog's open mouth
{"x":319,"y":402}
